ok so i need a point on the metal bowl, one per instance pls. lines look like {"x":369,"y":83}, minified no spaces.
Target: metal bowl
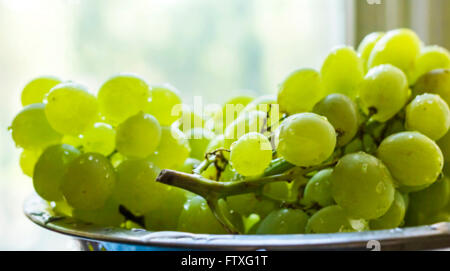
{"x":93,"y":237}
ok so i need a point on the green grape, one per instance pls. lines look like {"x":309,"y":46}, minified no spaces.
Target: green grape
{"x":398,"y":47}
{"x":163,"y":104}
{"x":230,"y":111}
{"x":116,"y":159}
{"x":412,"y":158}
{"x":190,"y":120}
{"x":173,"y":149}
{"x":283,"y":221}
{"x":88,"y":181}
{"x":217,"y":142}
{"x":35,"y":90}
{"x":251,"y":154}
{"x":71,"y":108}
{"x":189,"y":165}
{"x":330,"y":219}
{"x":211,"y":173}
{"x":383,"y":92}
{"x":356,"y":145}
{"x":342,"y":71}
{"x":366,"y":46}
{"x":432,"y":199}
{"x":431,"y":58}
{"x":362,"y":185}
{"x":444,"y":145}
{"x":31,"y":130}
{"x":50,"y":168}
{"x":199,"y":140}
{"x":247,"y":204}
{"x":106,"y":216}
{"x":306,"y":139}
{"x":136,"y":186}
{"x":123,"y":96}
{"x":251,"y":121}
{"x":229,"y":174}
{"x":196,"y":217}
{"x":318,"y":189}
{"x":300,"y":91}
{"x":393,"y":217}
{"x":435,"y":82}
{"x":138,"y":136}
{"x":75,"y":141}
{"x":428,"y":114}
{"x":262,"y":103}
{"x":62,"y":208}
{"x":100,"y":138}
{"x":281,"y":191}
{"x":394,"y":127}
{"x":342,"y":113}
{"x":28,"y":159}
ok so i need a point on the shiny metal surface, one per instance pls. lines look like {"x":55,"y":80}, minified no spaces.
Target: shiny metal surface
{"x":415,"y":238}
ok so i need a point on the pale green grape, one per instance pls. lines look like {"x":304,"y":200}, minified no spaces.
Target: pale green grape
{"x":431,"y":58}
{"x":356,"y":145}
{"x":300,"y":91}
{"x":281,"y":191}
{"x":230,"y":111}
{"x":431,"y":199}
{"x":75,"y":141}
{"x":49,"y":171}
{"x":318,"y":189}
{"x":189,"y":165}
{"x":384,"y":92}
{"x":199,"y":140}
{"x":428,"y":114}
{"x":88,"y":181}
{"x":248,"y":121}
{"x":251,"y":154}
{"x":362,"y":185}
{"x":330,"y":219}
{"x":190,"y":120}
{"x":393,"y":217}
{"x":116,"y":159}
{"x":412,"y":158}
{"x":342,"y":71}
{"x":107,"y":216}
{"x":342,"y":113}
{"x":366,"y":46}
{"x":262,"y":103}
{"x":211,"y":173}
{"x":283,"y":221}
{"x":28,"y":159}
{"x":217,"y":142}
{"x":435,"y":82}
{"x":173,"y":149}
{"x":123,"y":96}
{"x":35,"y":90}
{"x":31,"y":130}
{"x":306,"y":139}
{"x":398,"y":47}
{"x":196,"y":217}
{"x":138,"y":136}
{"x":247,"y":204}
{"x":163,"y":102}
{"x":100,"y":138}
{"x":444,"y":145}
{"x":70,"y":108}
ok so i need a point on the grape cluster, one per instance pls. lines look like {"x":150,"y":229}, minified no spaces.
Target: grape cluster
{"x":362,"y":144}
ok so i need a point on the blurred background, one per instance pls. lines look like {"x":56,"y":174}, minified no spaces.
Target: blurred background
{"x":216,"y":49}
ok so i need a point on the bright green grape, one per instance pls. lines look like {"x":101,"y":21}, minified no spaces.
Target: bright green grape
{"x":75,"y":141}
{"x":88,"y":181}
{"x":384,"y":92}
{"x":362,"y":185}
{"x":189,"y":165}
{"x":108,"y":215}
{"x":318,"y":189}
{"x":428,"y":114}
{"x":342,"y":113}
{"x":31,"y":130}
{"x":342,"y":71}
{"x":230,"y":111}
{"x":247,"y":204}
{"x":306,"y":139}
{"x":163,"y":102}
{"x":173,"y":149}
{"x":330,"y":219}
{"x":199,"y":140}
{"x":252,"y":121}
{"x":190,"y":120}
{"x":196,"y":217}
{"x":431,"y":58}
{"x":366,"y":46}
{"x":283,"y":221}
{"x":300,"y":91}
{"x":412,"y":158}
{"x":435,"y":82}
{"x":138,"y":136}
{"x":116,"y":159}
{"x":393,"y":217}
{"x":123,"y":96}
{"x":398,"y":47}
{"x":251,"y":154}
{"x":431,"y":199}
{"x":71,"y":108}
{"x":28,"y":159}
{"x":35,"y":91}
{"x":100,"y":138}
{"x":49,"y":171}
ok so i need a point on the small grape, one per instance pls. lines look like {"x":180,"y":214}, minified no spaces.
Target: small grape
{"x":100,"y":138}
{"x":88,"y":181}
{"x":283,"y":221}
{"x":35,"y":90}
{"x":393,"y":217}
{"x":428,"y":114}
{"x":251,"y":154}
{"x":173,"y":149}
{"x":28,"y":159}
{"x":435,"y":82}
{"x":190,"y":120}
{"x":330,"y":219}
{"x":431,"y":58}
{"x":366,"y":46}
{"x":230,"y":111}
{"x":412,"y":158}
{"x":189,"y":165}
{"x":247,"y":204}
{"x":252,"y":121}
{"x":281,"y":191}
{"x":162,"y":105}
{"x":31,"y":130}
{"x":432,"y":199}
{"x":199,"y":140}
{"x":138,"y":136}
{"x":217,"y":142}
{"x":306,"y":139}
{"x":318,"y":189}
{"x":106,"y":216}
